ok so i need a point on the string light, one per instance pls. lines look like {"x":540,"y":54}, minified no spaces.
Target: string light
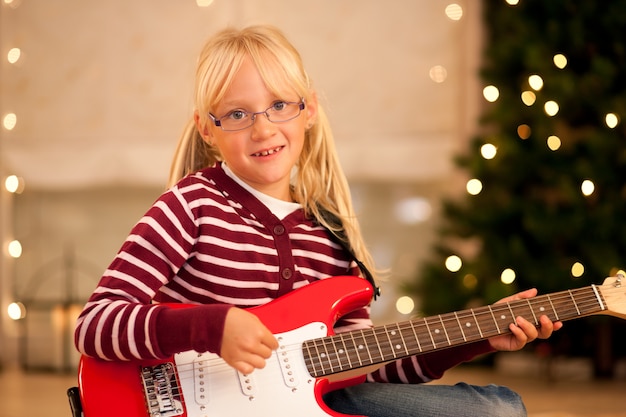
{"x":578,"y":270}
{"x":528,"y":98}
{"x":405,"y":305}
{"x":14,"y":55}
{"x":438,"y":74}
{"x":14,"y":184}
{"x":9,"y":121}
{"x":535,"y":82}
{"x":470,"y":281}
{"x":491,"y":93}
{"x":524,"y":131}
{"x":507,"y":276}
{"x":560,"y":61}
{"x":453,"y":263}
{"x":16,"y":311}
{"x":14,"y":248}
{"x":611,"y":120}
{"x":551,"y":108}
{"x":454,"y":11}
{"x":587,"y":187}
{"x":554,"y":142}
{"x":474,"y":186}
{"x":488,"y":151}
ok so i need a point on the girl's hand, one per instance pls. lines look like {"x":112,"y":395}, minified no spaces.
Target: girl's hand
{"x":525,"y":331}
{"x":246,"y":342}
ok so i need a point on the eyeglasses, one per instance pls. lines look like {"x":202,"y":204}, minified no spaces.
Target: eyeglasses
{"x":278,"y":112}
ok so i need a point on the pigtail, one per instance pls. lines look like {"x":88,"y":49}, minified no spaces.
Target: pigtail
{"x":324,"y":192}
{"x":192,"y":154}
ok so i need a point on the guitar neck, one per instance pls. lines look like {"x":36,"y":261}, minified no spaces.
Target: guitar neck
{"x":351,"y":350}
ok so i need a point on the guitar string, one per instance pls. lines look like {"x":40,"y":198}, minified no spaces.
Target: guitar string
{"x":583,"y":303}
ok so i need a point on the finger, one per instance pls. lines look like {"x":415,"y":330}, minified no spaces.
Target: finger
{"x":520,"y":295}
{"x":519,"y":339}
{"x":263,"y":351}
{"x":249,"y":363}
{"x":243,"y":367}
{"x":529,"y":329}
{"x":546,"y":327}
{"x":525,"y":294}
{"x":270,"y":341}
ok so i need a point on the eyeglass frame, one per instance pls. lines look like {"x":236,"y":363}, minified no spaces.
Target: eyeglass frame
{"x":218,"y":122}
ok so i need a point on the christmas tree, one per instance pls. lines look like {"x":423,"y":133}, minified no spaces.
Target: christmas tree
{"x":548,"y":168}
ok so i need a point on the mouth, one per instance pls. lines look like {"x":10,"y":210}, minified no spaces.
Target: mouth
{"x":268,"y":152}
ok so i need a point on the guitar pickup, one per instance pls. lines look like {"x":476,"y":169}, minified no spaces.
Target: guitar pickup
{"x":286,"y":367}
{"x":201,"y":376}
{"x":248,"y":384}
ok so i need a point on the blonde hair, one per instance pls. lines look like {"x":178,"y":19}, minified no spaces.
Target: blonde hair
{"x":320,"y":185}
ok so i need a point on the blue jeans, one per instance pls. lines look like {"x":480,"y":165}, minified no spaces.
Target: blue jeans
{"x":426,"y":400}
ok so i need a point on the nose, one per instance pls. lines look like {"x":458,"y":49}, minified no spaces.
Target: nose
{"x":262,"y":127}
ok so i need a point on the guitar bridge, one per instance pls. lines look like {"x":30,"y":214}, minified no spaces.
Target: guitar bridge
{"x":161,"y":390}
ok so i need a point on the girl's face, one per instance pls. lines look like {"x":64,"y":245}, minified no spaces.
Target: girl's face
{"x":263,"y":154}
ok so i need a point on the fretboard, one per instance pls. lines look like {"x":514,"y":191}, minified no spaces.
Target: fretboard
{"x":356,"y":349}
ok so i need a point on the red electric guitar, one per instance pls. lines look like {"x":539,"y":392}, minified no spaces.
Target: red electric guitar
{"x":311,"y":360}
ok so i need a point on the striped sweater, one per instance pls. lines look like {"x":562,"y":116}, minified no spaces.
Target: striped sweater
{"x":209,"y":242}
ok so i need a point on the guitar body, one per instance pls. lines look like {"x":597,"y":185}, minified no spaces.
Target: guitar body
{"x":198,"y":385}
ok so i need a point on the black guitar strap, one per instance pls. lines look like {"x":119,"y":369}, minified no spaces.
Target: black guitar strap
{"x":341,"y":239}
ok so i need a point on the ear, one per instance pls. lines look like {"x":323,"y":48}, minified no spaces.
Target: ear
{"x":202,"y":127}
{"x":311,"y":110}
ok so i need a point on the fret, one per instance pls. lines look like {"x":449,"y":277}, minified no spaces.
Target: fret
{"x":556,"y":315}
{"x":389,"y":349}
{"x":505,"y":315}
{"x":423,"y":335}
{"x":454,"y":333}
{"x":592,"y":294}
{"x":326,"y":356}
{"x":512,"y":313}
{"x":468,"y":321}
{"x":437,"y":334}
{"x":538,"y":306}
{"x":494,"y":319}
{"x":456,"y":316}
{"x":337,"y":353}
{"x":574,"y":301}
{"x":366,"y":346}
{"x":531,"y":310}
{"x":477,"y":325}
{"x":377,"y":341}
{"x":595,"y":291}
{"x":397,"y":346}
{"x":357,"y":348}
{"x":346,"y":349}
{"x":417,"y":339}
{"x":443,"y":325}
{"x":402,"y":341}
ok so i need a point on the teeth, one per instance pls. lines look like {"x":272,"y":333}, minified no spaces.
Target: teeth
{"x":269,"y":152}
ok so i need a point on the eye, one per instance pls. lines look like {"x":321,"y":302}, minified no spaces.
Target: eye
{"x":279,"y":105}
{"x":237,"y":115}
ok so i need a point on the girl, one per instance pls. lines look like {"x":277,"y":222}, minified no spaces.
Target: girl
{"x":258,"y":206}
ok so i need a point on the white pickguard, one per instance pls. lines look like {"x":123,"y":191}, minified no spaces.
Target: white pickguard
{"x":211,"y":388}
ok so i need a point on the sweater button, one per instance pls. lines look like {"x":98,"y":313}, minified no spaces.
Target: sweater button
{"x":286,"y":273}
{"x":279,"y":229}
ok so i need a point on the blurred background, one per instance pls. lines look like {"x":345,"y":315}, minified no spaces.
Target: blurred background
{"x":483,"y":141}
